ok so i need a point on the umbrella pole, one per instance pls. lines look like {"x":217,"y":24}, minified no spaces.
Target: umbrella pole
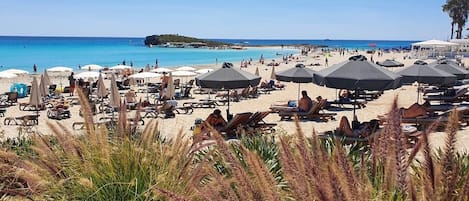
{"x":228,"y":118}
{"x":298,"y":94}
{"x":418,"y":92}
{"x":355,"y":103}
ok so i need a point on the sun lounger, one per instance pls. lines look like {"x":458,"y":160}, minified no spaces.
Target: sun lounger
{"x":313,"y":113}
{"x":360,"y":103}
{"x":203,"y":103}
{"x":184,"y":109}
{"x":21,"y":120}
{"x":58,"y":113}
{"x":256,"y":121}
{"x":239,"y":119}
{"x":457,"y":97}
{"x":349,"y":139}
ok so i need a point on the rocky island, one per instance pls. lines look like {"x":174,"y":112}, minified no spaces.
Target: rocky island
{"x":174,"y":40}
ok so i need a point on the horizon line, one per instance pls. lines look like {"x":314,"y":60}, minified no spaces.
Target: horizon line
{"x":207,"y":38}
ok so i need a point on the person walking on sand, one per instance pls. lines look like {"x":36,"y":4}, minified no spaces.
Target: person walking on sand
{"x":35,"y":68}
{"x":327,"y":62}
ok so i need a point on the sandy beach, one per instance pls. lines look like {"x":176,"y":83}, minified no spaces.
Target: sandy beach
{"x":169,"y":127}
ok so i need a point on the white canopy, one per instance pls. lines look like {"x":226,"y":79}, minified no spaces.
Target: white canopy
{"x":186,"y":68}
{"x":161,"y":70}
{"x":7,"y":75}
{"x":16,"y":71}
{"x":89,"y":74}
{"x":434,"y":43}
{"x":60,"y":69}
{"x":204,"y":70}
{"x":120,"y":67}
{"x":182,"y":73}
{"x":145,"y":75}
{"x":92,"y":67}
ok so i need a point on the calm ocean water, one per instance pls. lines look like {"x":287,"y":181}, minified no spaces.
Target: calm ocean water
{"x":45,"y":52}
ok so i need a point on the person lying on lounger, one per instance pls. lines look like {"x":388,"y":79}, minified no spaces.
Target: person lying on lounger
{"x":363,"y":130}
{"x":416,"y":110}
{"x":216,"y":120}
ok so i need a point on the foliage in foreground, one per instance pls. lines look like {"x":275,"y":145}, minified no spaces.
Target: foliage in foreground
{"x":100,"y":166}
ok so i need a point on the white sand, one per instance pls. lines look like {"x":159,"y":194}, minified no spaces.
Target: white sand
{"x":169,"y":127}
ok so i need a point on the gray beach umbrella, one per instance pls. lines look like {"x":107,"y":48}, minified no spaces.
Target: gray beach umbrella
{"x":357,"y":74}
{"x":227,"y":77}
{"x":452,"y":68}
{"x":421,"y":72}
{"x":298,"y":74}
{"x":390,"y":63}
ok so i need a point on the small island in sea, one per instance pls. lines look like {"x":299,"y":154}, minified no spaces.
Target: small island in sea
{"x":178,"y":41}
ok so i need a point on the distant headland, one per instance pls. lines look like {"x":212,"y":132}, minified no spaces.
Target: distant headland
{"x":178,"y":41}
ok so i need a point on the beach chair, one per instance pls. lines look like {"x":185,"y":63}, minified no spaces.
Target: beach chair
{"x":237,"y":121}
{"x":256,"y":121}
{"x":458,"y":96}
{"x":313,"y":113}
{"x":58,"y":113}
{"x":202,"y":103}
{"x":341,"y":103}
{"x":12,"y":99}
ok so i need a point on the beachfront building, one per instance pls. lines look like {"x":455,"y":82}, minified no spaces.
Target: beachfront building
{"x":433,"y":49}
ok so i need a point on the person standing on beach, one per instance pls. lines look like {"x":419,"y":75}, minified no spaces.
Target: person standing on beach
{"x":71,"y":80}
{"x":35,"y":68}
{"x":327,"y":62}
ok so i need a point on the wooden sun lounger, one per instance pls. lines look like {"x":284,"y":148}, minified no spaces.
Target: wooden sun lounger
{"x":238,"y":119}
{"x":203,"y":103}
{"x":458,"y":97}
{"x":348,"y":139}
{"x":313,"y":113}
{"x":256,"y":121}
{"x":360,"y":103}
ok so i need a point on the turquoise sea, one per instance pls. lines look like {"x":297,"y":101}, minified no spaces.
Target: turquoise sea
{"x":23,"y":52}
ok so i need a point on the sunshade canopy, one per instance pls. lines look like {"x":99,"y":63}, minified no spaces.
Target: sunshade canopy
{"x":452,"y":68}
{"x":390,"y":63}
{"x":423,"y":73}
{"x":297,"y":74}
{"x":227,"y":77}
{"x":357,"y":73}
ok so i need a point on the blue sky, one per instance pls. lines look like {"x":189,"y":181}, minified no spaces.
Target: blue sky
{"x":237,"y":19}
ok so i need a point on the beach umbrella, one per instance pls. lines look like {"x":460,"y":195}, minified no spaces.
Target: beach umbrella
{"x":272,"y":74}
{"x":452,"y":68}
{"x":43,"y":90}
{"x":91,"y":67}
{"x":46,"y":77}
{"x":115,"y":99}
{"x":298,"y":74}
{"x":161,"y":70}
{"x":257,"y":71}
{"x":102,"y":92}
{"x":59,"y":69}
{"x":421,"y":72}
{"x":132,"y":81}
{"x":227,"y":77}
{"x":89,"y":75}
{"x":186,"y":68}
{"x":357,"y":74}
{"x":16,"y":71}
{"x":35,"y":98}
{"x":182,"y":73}
{"x":145,"y":75}
{"x":390,"y":63}
{"x":120,"y":67}
{"x":170,"y":89}
{"x":7,"y":75}
{"x":203,"y":70}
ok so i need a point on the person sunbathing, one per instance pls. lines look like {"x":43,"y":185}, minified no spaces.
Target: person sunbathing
{"x":416,"y":110}
{"x":216,"y":120}
{"x":364,"y":129}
